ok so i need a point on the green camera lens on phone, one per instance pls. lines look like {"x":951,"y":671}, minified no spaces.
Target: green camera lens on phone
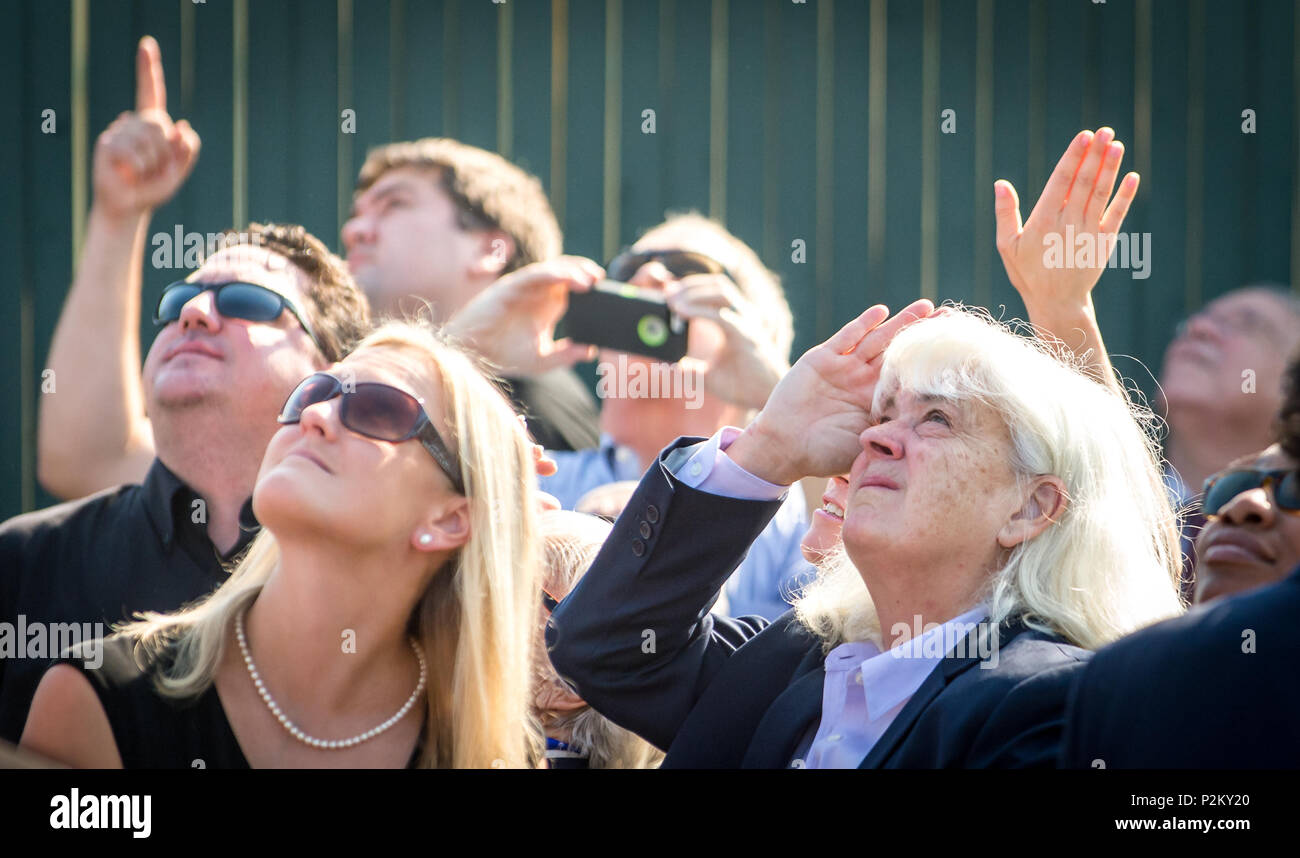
{"x":652,"y":330}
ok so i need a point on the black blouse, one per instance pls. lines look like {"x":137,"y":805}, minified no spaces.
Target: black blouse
{"x":157,"y":732}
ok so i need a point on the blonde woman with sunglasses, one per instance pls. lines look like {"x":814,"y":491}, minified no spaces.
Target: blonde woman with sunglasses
{"x":385,"y":616}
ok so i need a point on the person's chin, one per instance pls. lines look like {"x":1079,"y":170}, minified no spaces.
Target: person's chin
{"x":289,"y":496}
{"x":1219,"y":580}
{"x":179,"y":388}
{"x":1187,"y":383}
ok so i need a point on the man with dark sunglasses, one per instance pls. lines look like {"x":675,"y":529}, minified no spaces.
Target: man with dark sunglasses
{"x":233,"y":340}
{"x":1217,"y":688}
{"x":1251,"y":535}
{"x":740,"y":335}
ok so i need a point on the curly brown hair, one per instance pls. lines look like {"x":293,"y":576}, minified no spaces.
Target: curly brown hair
{"x":488,"y":192}
{"x":336,"y":307}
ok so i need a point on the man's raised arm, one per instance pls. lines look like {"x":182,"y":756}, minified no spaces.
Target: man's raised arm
{"x":140,"y":161}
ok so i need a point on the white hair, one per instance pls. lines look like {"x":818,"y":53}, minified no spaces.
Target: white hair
{"x":1111,"y":563}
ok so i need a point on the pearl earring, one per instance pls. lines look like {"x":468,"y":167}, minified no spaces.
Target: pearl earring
{"x":426,"y":539}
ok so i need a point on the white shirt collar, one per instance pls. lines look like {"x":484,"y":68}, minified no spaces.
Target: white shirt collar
{"x":889,"y":678}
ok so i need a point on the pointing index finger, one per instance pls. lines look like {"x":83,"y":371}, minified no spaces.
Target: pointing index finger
{"x":150,"y":87}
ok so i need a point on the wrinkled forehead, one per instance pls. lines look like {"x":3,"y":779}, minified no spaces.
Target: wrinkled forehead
{"x":419,"y":180}
{"x":893,"y":396}
{"x":253,"y":264}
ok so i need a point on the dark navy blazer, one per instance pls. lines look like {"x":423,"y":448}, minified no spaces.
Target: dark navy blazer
{"x":1216,"y":688}
{"x":636,"y":641}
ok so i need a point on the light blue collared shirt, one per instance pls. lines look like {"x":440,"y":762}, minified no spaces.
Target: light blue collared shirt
{"x":865,"y":689}
{"x":773,"y":570}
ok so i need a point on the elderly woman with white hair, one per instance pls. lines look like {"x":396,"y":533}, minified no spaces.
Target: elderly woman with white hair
{"x":1004,"y":516}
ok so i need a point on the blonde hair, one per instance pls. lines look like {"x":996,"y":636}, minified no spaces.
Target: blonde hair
{"x":572,"y":541}
{"x":476,"y":619}
{"x":1111,"y":563}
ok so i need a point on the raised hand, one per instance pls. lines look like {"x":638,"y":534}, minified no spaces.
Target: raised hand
{"x":811,"y":422}
{"x":512,"y":322}
{"x":1077,"y":195}
{"x":745,"y":369}
{"x":143,"y":158}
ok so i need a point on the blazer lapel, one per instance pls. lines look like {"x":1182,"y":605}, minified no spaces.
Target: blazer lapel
{"x":787,"y":719}
{"x":952,"y":665}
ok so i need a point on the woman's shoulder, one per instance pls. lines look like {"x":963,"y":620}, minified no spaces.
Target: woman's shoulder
{"x":153,"y":729}
{"x":114,"y":663}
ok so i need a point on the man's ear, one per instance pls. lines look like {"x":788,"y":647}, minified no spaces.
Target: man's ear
{"x":1043,"y":507}
{"x":495,"y":252}
{"x":446,"y":527}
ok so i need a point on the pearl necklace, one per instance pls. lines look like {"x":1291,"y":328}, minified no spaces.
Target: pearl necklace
{"x":294,"y":730}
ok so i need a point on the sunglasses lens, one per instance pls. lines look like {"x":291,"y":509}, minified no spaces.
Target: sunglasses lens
{"x":1227,"y":487}
{"x":680,"y":264}
{"x":173,"y":299}
{"x":249,"y":302}
{"x":624,"y":267}
{"x":381,"y":412}
{"x":1287,"y":491}
{"x":684,"y":264}
{"x":315,"y":388}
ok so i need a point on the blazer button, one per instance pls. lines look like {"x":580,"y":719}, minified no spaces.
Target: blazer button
{"x":652,"y":514}
{"x":638,"y":547}
{"x":645,"y":530}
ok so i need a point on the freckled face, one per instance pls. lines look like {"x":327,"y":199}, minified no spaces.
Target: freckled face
{"x":933,"y":484}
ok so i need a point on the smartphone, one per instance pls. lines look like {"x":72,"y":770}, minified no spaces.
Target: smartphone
{"x":626,"y":318}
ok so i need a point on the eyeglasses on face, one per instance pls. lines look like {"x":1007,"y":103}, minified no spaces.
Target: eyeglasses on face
{"x":378,"y":411}
{"x":1221,"y":488}
{"x":680,"y":263}
{"x":234,"y":300}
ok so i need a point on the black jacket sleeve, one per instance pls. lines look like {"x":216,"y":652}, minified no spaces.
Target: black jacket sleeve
{"x":635,"y":638}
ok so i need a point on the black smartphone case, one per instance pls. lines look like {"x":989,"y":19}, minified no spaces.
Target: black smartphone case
{"x":626,"y":318}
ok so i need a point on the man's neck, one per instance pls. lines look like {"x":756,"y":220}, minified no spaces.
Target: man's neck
{"x":1201,"y":444}
{"x":219,"y":464}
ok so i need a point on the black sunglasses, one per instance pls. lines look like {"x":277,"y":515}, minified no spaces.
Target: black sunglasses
{"x":1221,"y":488}
{"x":680,"y":263}
{"x":234,"y":300}
{"x":377,"y":411}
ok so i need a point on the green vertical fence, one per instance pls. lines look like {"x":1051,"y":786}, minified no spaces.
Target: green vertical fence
{"x":814,"y":122}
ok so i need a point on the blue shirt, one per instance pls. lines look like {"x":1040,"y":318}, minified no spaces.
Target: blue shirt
{"x":773,"y":570}
{"x":865,"y":689}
